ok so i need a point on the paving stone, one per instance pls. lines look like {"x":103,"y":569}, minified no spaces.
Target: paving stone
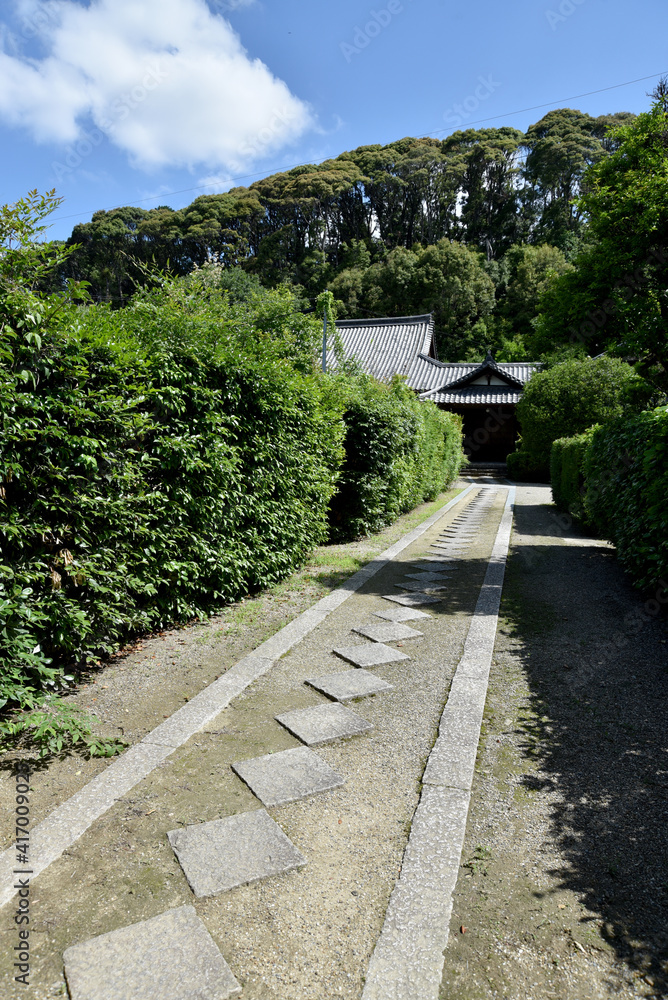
{"x":412,"y":600}
{"x":234,"y":851}
{"x":434,"y":563}
{"x":349,"y":684}
{"x":152,"y":960}
{"x":324,"y":723}
{"x":370,"y":654}
{"x":287,"y":776}
{"x":429,"y":577}
{"x":419,"y":588}
{"x":401,"y":614}
{"x":391,"y":632}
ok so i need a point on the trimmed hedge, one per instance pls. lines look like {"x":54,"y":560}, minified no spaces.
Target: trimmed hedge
{"x":399,"y":452}
{"x":626,"y":472}
{"x":566,"y":400}
{"x":138,"y":492}
{"x":615,"y":478}
{"x":567,"y":473}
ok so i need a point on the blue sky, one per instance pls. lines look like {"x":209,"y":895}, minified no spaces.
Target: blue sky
{"x":150,"y":102}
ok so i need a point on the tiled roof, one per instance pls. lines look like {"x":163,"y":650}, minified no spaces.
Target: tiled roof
{"x":400,"y":345}
{"x":455,"y":385}
{"x":479,"y":395}
{"x":385,"y":347}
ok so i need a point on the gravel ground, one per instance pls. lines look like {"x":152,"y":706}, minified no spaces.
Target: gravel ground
{"x":563,"y":890}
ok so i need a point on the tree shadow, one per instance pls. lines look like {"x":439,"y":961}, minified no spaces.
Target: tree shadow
{"x":597,"y":665}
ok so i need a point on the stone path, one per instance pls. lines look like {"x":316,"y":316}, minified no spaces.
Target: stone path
{"x":457,"y":576}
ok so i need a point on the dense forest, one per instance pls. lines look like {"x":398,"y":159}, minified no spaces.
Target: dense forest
{"x":475,"y":227}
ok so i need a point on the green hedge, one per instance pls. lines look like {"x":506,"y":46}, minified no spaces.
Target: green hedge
{"x":399,"y":452}
{"x":567,"y":399}
{"x":138,"y":492}
{"x":567,"y":473}
{"x":626,"y":473}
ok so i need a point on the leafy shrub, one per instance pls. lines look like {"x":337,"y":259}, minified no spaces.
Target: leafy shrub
{"x":567,"y":473}
{"x":626,"y":472}
{"x":398,"y":451}
{"x":140,"y":489}
{"x":570,"y":397}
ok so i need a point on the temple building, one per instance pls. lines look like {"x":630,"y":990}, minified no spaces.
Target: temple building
{"x":485,"y":393}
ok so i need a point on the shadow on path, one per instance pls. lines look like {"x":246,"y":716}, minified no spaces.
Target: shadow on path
{"x":597,"y":665}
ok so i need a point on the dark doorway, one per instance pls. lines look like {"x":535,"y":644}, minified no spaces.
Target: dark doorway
{"x":489,"y":432}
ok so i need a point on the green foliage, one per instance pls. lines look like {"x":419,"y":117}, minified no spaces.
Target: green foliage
{"x":616,"y":299}
{"x":399,"y":452}
{"x":155,"y":463}
{"x":567,"y":472}
{"x":572,"y":396}
{"x":626,"y":473}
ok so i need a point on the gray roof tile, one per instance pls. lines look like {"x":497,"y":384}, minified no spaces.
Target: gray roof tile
{"x":385,"y":347}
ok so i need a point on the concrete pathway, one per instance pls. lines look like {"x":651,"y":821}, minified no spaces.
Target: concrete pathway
{"x":293,"y":903}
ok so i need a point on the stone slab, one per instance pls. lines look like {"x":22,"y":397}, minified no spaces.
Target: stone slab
{"x":237,"y":850}
{"x":370,"y":655}
{"x":288,"y":776}
{"x":418,"y":588}
{"x":408,"y":959}
{"x":407,"y":962}
{"x":323,"y":724}
{"x":401,"y":614}
{"x":152,"y":960}
{"x":391,"y":632}
{"x":349,"y":684}
{"x":430,"y":563}
{"x":429,"y":577}
{"x":412,"y":600}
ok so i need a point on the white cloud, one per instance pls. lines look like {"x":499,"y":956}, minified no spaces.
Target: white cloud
{"x":167,"y":81}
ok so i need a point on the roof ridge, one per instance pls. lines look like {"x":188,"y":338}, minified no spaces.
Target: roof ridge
{"x":385,"y":320}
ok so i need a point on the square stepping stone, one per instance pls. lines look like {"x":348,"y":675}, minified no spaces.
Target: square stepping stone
{"x":237,"y":850}
{"x":323,"y":724}
{"x":401,"y":614}
{"x":427,"y":578}
{"x":151,"y":960}
{"x":443,"y":569}
{"x":412,"y":600}
{"x":287,"y":776}
{"x":349,"y":684}
{"x":370,"y":654}
{"x":418,"y":588}
{"x":392,"y":632}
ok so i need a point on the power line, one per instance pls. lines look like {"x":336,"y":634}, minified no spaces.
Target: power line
{"x":422,"y":135}
{"x":537,"y":107}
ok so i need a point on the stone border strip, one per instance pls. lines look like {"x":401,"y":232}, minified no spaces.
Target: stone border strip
{"x":408,"y":959}
{"x":63,"y":827}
